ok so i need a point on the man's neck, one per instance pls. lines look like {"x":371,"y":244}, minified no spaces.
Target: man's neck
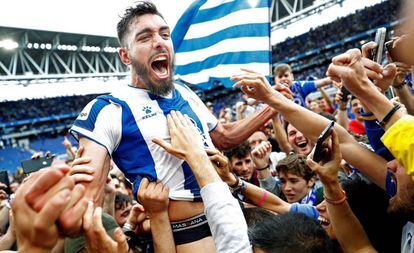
{"x":136,"y":81}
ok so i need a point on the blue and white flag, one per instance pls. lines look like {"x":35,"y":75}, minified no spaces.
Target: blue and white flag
{"x":213,"y":39}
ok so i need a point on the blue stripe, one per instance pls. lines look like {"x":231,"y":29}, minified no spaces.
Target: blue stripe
{"x":225,"y":9}
{"x":238,"y":31}
{"x":191,"y":182}
{"x":132,"y":155}
{"x":178,"y":103}
{"x":184,"y":23}
{"x":224,"y":59}
{"x":89,"y":123}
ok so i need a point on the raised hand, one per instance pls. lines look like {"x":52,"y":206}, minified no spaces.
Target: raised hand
{"x":327,"y":170}
{"x":97,"y":240}
{"x":185,"y":138}
{"x":80,"y":171}
{"x":136,"y":216}
{"x":221,"y":165}
{"x":261,"y":154}
{"x":382,"y":76}
{"x":36,"y":228}
{"x":153,"y":196}
{"x":349,"y":69}
{"x":255,"y":85}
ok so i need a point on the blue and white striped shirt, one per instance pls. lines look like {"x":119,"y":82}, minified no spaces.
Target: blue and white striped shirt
{"x":126,"y":121}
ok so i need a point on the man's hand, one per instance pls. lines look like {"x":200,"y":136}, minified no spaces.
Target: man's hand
{"x":221,"y":165}
{"x":261,"y":154}
{"x":185,"y":138}
{"x":153,"y":196}
{"x":402,"y":71}
{"x":3,"y":195}
{"x":382,"y":77}
{"x":254,"y":85}
{"x":80,"y":171}
{"x":349,"y":69}
{"x":284,"y":90}
{"x":136,"y":216}
{"x":36,"y":228}
{"x":97,"y":240}
{"x":338,"y":100}
{"x":327,"y":170}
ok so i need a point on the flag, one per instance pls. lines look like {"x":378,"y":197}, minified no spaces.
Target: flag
{"x":213,"y":39}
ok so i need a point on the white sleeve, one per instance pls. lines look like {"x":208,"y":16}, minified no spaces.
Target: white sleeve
{"x":101,"y":122}
{"x":225,"y":218}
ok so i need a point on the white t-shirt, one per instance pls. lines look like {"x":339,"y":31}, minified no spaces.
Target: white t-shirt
{"x":407,"y":243}
{"x":126,"y":121}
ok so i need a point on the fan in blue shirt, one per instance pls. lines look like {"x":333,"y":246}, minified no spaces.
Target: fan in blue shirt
{"x":301,"y":89}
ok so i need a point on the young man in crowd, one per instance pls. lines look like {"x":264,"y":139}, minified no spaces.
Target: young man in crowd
{"x":298,"y":181}
{"x":242,"y":164}
{"x":122,"y":124}
{"x":301,"y":89}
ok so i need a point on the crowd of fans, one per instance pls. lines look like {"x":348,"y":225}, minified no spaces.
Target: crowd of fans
{"x":38,"y":108}
{"x":275,"y":185}
{"x":363,"y":20}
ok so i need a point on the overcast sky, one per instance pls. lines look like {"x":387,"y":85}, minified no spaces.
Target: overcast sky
{"x":97,"y":17}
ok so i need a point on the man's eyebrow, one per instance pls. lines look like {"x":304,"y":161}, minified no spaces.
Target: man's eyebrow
{"x":148,"y":30}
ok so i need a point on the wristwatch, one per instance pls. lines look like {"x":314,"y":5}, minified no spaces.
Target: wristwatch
{"x":401,"y":85}
{"x":240,"y":188}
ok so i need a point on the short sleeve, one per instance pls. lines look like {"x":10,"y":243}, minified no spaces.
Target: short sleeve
{"x":308,"y":87}
{"x":101,"y":122}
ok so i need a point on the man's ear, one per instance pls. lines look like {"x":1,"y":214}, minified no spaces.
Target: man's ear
{"x":124,"y":55}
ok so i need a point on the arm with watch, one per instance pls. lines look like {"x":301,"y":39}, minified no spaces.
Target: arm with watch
{"x":260,"y":197}
{"x":401,"y":87}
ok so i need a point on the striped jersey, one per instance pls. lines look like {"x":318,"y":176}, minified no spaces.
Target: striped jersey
{"x":126,"y":121}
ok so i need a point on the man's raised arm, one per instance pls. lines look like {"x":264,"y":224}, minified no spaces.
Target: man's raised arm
{"x":312,"y":124}
{"x":230,"y":135}
{"x":91,"y":172}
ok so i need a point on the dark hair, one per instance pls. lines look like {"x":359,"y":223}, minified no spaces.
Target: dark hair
{"x":255,"y":214}
{"x":290,"y":233}
{"x":281,"y":69}
{"x":369,"y":203}
{"x":295,"y":164}
{"x":238,"y":152}
{"x":130,"y":15}
{"x":121,"y":200}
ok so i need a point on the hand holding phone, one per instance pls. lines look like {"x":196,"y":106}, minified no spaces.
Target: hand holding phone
{"x":320,"y":151}
{"x":33,"y":165}
{"x":377,"y":53}
{"x":4,"y":178}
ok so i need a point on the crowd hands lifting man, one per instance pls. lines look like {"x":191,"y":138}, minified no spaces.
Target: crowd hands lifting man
{"x":256,"y":197}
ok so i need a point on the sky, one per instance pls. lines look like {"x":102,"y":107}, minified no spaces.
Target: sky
{"x":97,"y":17}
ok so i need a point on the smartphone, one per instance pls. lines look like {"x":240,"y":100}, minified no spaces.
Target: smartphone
{"x":4,"y":178}
{"x":389,"y":47}
{"x":345,"y":94}
{"x":319,"y":153}
{"x":376,"y":54}
{"x":33,"y":165}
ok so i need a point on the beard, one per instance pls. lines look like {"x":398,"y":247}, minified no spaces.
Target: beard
{"x":161,"y":88}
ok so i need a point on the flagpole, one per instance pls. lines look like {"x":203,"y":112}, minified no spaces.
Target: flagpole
{"x":269,"y":2}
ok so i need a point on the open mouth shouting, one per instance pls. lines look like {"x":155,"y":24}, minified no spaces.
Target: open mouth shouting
{"x":324,"y":222}
{"x":160,"y":66}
